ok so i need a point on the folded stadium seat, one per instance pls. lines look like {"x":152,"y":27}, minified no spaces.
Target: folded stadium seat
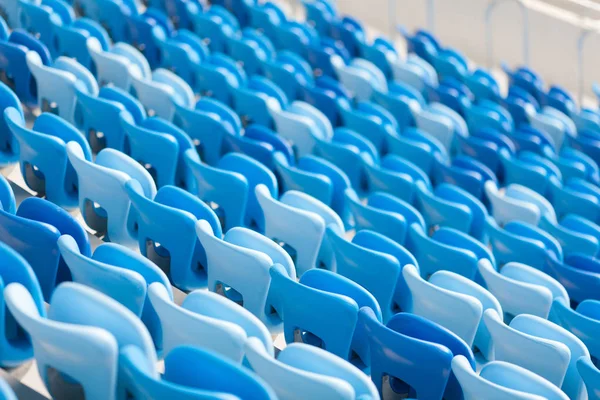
{"x":174,"y":247}
{"x":15,"y":346}
{"x":33,"y":231}
{"x":579,"y":274}
{"x":521,"y":289}
{"x":306,"y":243}
{"x":501,"y":379}
{"x":103,"y":200}
{"x":239,"y":268}
{"x":9,"y":151}
{"x":303,"y":371}
{"x":111,"y":14}
{"x":591,"y":376}
{"x":43,"y":156}
{"x":121,"y":274}
{"x":426,"y":346}
{"x":229,"y":188}
{"x":215,"y":27}
{"x":215,"y":323}
{"x":583,"y":322}
{"x":119,"y":64}
{"x":529,"y":339}
{"x":57,"y":85}
{"x":307,"y":307}
{"x":384,"y":278}
{"x":146,"y":30}
{"x":208,"y":123}
{"x":252,"y":49}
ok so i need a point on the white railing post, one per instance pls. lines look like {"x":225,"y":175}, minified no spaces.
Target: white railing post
{"x":492,"y":6}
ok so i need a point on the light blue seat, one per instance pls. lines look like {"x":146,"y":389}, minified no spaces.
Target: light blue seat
{"x":307,"y":308}
{"x":191,"y":373}
{"x":65,"y":341}
{"x":100,"y":117}
{"x":166,"y":232}
{"x":163,"y":93}
{"x":9,"y":150}
{"x":301,"y":124}
{"x":103,"y":201}
{"x":459,"y":284}
{"x":385,"y":214}
{"x":6,"y":392}
{"x":386,"y":259}
{"x":238,"y":267}
{"x":591,"y":376}
{"x":583,"y":321}
{"x":447,"y":249}
{"x":119,"y":65}
{"x":15,"y":346}
{"x":502,"y":380}
{"x":317,"y":177}
{"x":460,"y":313}
{"x":521,"y":242}
{"x":160,"y":146}
{"x":309,"y":218}
{"x":522,"y":289}
{"x":372,"y":121}
{"x":211,"y":322}
{"x":396,"y":176}
{"x":43,"y":156}
{"x":450,"y":206}
{"x":208,"y":123}
{"x":361,"y":77}
{"x":302,"y":371}
{"x":229,"y":186}
{"x":577,"y":196}
{"x":57,"y":85}
{"x":121,"y":274}
{"x":540,"y":346}
{"x":579,"y":274}
{"x":531,"y":170}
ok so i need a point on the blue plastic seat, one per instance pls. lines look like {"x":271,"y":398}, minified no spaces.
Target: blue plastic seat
{"x":579,"y":274}
{"x":414,"y":354}
{"x":370,"y":120}
{"x":539,"y":346}
{"x":216,"y":76}
{"x":40,"y":19}
{"x":13,"y":64}
{"x":591,"y":376}
{"x":460,"y":313}
{"x":249,"y":286}
{"x":144,"y":31}
{"x":163,"y":94}
{"x":6,"y":391}
{"x":307,"y":307}
{"x":301,"y":371}
{"x":301,"y":124}
{"x":576,"y":196}
{"x":521,"y":242}
{"x":9,"y":146}
{"x":121,"y":274}
{"x":15,"y":346}
{"x":384,"y":278}
{"x":112,"y":15}
{"x":72,"y":40}
{"x":360,"y":77}
{"x":103,"y":200}
{"x":522,"y":289}
{"x":215,"y":27}
{"x":583,"y":322}
{"x":57,"y":85}
{"x":447,"y":249}
{"x":290,"y":72}
{"x":316,"y":177}
{"x":385,"y":214}
{"x":208,"y":124}
{"x":450,"y":206}
{"x":309,"y":217}
{"x":43,"y":156}
{"x":100,"y":117}
{"x":166,"y":232}
{"x":212,"y":322}
{"x":252,"y":49}
{"x":69,"y":337}
{"x":33,"y":232}
{"x":499,"y":379}
{"x":181,"y":53}
{"x":120,"y":64}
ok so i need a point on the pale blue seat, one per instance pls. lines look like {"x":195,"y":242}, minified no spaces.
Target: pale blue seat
{"x":119,"y":65}
{"x":309,"y":218}
{"x":239,"y":264}
{"x":301,"y":371}
{"x":522,"y":289}
{"x":460,"y":313}
{"x":583,"y":322}
{"x":103,"y":200}
{"x":211,"y":322}
{"x":502,"y":380}
{"x":591,"y":376}
{"x":121,"y":274}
